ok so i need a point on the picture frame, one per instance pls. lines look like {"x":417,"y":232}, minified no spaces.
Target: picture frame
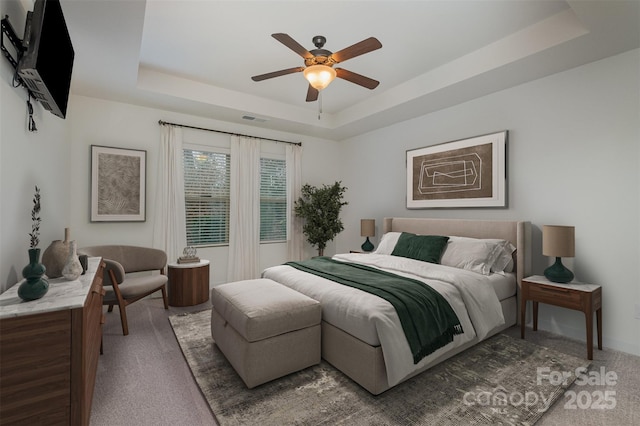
{"x":118,"y":184}
{"x":464,"y":173}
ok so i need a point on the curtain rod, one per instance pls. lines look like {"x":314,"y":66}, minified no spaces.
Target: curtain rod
{"x":160,"y":122}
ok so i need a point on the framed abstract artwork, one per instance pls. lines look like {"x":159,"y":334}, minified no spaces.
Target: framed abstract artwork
{"x":118,"y":184}
{"x":465,"y":173}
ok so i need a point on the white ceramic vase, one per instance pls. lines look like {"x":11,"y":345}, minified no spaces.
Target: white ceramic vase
{"x":72,"y":268}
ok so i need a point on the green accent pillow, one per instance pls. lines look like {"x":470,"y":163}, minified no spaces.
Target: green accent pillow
{"x":427,"y":248}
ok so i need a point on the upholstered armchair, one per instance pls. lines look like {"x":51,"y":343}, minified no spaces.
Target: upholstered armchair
{"x":121,"y":285}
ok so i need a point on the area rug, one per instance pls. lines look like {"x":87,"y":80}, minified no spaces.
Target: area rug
{"x":501,"y":381}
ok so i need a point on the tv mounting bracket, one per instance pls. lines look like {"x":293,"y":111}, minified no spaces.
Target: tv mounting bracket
{"x":16,"y":42}
{"x":7,"y":30}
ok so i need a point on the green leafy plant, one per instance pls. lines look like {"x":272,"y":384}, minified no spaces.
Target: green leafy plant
{"x":35,"y":218}
{"x":320,"y":209}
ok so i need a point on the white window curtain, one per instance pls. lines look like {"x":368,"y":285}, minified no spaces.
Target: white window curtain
{"x":244,"y":213}
{"x":169,"y":227}
{"x":295,"y":238}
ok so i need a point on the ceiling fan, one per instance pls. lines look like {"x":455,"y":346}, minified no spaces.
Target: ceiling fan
{"x":318,"y":69}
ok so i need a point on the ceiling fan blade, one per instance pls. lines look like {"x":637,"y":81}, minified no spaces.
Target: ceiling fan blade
{"x":365,"y":46}
{"x":276,"y":73}
{"x":292,"y":44}
{"x":361,"y":80}
{"x":312,"y":94}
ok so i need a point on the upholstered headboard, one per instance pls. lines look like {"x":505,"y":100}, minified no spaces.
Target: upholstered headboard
{"x":518,"y":233}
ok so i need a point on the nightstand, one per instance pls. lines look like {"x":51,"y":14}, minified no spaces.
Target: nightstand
{"x":188,"y":283}
{"x":586,"y":298}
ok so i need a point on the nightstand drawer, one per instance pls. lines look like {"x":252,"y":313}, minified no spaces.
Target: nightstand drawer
{"x":555,"y":296}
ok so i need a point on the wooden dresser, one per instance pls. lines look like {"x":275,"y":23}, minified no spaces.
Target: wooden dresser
{"x":49,"y":350}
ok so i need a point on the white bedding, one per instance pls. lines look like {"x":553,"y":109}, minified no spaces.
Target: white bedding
{"x":374,"y":321}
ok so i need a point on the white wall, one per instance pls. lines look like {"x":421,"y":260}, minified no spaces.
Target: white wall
{"x":28,"y":159}
{"x":573,"y":159}
{"x":101,"y":122}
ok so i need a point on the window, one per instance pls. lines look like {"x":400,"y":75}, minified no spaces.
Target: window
{"x":206,"y":186}
{"x":206,"y":196}
{"x":273,"y":200}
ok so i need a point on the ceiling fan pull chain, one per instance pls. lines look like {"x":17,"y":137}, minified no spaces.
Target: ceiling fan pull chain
{"x":319,"y":104}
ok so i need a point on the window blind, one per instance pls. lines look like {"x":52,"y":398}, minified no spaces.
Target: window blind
{"x":207,"y":195}
{"x":206,"y":187}
{"x":273,"y":199}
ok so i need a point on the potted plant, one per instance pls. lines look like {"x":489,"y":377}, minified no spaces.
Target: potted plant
{"x":320,"y":209}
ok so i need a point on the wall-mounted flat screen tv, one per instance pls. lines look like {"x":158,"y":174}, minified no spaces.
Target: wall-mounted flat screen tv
{"x":46,"y":65}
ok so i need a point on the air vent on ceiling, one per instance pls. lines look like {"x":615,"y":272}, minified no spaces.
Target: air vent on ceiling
{"x":252,"y":118}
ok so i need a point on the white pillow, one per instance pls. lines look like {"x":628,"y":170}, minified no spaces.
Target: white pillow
{"x":504,"y":262}
{"x":478,"y":255}
{"x":388,"y":243}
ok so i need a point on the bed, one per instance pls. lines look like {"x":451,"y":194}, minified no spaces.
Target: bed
{"x":361,"y":333}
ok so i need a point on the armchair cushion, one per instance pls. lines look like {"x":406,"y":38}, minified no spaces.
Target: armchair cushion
{"x":134,"y":286}
{"x":118,"y":271}
{"x":132,"y":258}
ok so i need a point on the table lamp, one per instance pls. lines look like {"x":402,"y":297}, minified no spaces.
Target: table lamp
{"x":367,"y":229}
{"x":558,"y":241}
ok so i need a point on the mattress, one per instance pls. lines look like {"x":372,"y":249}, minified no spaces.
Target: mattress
{"x":374,"y":321}
{"x":503,"y":284}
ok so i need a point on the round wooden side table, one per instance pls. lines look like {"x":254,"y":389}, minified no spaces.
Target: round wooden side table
{"x":188,"y":283}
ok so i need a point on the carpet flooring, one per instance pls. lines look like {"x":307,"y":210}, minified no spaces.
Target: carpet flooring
{"x":494,"y":382}
{"x":143,"y":378}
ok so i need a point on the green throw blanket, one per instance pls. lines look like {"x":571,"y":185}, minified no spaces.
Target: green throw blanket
{"x":427,"y":319}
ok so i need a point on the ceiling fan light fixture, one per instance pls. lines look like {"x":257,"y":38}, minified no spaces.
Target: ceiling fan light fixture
{"x":319,"y":76}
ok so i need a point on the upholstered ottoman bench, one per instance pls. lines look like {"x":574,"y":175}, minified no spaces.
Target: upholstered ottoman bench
{"x":264,"y":329}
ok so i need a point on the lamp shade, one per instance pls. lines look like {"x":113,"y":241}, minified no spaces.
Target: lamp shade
{"x":558,"y":241}
{"x":319,"y":76}
{"x":367,"y":227}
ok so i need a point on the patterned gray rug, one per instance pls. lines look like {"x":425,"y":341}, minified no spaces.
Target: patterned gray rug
{"x":496,"y":382}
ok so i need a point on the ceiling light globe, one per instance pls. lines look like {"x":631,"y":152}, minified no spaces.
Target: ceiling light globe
{"x":319,"y":76}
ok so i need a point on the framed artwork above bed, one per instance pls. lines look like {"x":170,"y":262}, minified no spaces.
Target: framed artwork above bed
{"x":465,"y":173}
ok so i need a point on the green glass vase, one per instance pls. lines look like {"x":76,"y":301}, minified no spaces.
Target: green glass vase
{"x":367,"y":246}
{"x":34,"y":286}
{"x":558,"y":273}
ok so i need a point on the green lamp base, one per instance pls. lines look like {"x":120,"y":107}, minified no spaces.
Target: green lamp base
{"x":367,"y":246}
{"x":558,"y":273}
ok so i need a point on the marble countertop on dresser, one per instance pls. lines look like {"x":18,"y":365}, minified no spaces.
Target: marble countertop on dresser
{"x":62,"y":294}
